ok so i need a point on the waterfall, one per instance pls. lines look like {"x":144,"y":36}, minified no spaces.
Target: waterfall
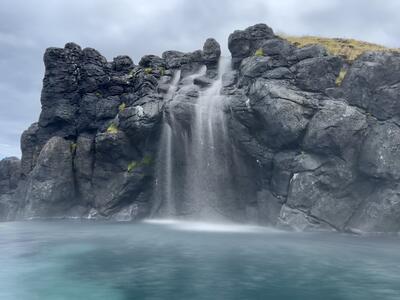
{"x":207,"y":166}
{"x":163,"y":186}
{"x":194,"y":166}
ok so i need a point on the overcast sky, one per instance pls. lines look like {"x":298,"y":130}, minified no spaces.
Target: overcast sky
{"x":136,"y":28}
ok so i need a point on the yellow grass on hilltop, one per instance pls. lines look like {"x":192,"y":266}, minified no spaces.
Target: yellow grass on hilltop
{"x":349,"y":49}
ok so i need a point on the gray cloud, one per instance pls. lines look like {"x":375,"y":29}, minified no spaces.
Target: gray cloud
{"x":139,"y":27}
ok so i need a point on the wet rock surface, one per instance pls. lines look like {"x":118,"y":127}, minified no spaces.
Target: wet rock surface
{"x":307,"y":154}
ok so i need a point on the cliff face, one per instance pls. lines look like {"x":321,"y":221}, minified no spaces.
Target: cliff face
{"x":309,"y":151}
{"x":9,"y":177}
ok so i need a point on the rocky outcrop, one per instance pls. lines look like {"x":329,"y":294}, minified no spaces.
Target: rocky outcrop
{"x":50,"y":187}
{"x":10,"y":169}
{"x":93,"y":150}
{"x":244,"y":43}
{"x":308,"y":152}
{"x":332,"y":148}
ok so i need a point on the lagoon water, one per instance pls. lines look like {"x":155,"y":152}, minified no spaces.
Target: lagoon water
{"x":169,"y":259}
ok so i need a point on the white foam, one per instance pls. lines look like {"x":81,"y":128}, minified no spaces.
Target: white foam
{"x":216,"y":227}
{"x":160,"y":221}
{"x":184,"y":225}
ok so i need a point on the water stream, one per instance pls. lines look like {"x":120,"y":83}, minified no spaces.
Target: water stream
{"x":208,"y":166}
{"x":193,"y":170}
{"x":164,"y":186}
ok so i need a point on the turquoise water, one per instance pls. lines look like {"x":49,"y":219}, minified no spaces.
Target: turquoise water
{"x":182,"y":260}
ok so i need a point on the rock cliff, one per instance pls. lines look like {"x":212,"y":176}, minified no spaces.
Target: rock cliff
{"x":309,"y":151}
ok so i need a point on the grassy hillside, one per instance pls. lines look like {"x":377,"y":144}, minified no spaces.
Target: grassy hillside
{"x":349,"y":49}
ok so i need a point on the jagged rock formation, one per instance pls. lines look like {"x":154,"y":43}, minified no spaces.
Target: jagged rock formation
{"x":9,"y":177}
{"x":314,"y":154}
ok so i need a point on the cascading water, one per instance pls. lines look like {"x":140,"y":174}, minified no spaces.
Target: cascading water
{"x":208,"y":170}
{"x":194,"y":177}
{"x":164,"y":180}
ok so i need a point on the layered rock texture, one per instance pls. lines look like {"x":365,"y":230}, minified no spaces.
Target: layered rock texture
{"x":310,"y":152}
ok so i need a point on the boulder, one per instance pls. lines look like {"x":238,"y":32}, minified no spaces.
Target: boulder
{"x":182,"y":108}
{"x":152,"y":61}
{"x":141,"y":120}
{"x":113,"y":152}
{"x":372,"y":83}
{"x":380,"y":153}
{"x":287,"y":163}
{"x":278,"y":73}
{"x":244,"y":43}
{"x":303,"y":191}
{"x":336,"y":129}
{"x":211,"y":53}
{"x":255,"y":66}
{"x":298,"y":220}
{"x":330,"y":193}
{"x":318,"y":73}
{"x":10,"y":172}
{"x":174,"y":59}
{"x":309,"y":51}
{"x":122,"y":63}
{"x":282,"y":112}
{"x":51,"y":185}
{"x":379,"y":212}
{"x":278,"y":51}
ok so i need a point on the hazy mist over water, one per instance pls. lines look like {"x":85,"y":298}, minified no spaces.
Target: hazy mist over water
{"x":171,"y":259}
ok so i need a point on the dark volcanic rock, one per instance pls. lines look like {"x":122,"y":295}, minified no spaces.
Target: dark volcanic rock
{"x":299,"y":220}
{"x":113,"y":153}
{"x":372,"y":83}
{"x":303,"y":152}
{"x":380,"y":154}
{"x":244,"y":43}
{"x":83,"y":166}
{"x":152,"y":61}
{"x":336,"y":129}
{"x":318,"y":73}
{"x":380,"y":212}
{"x":255,"y":66}
{"x":142,"y":119}
{"x":311,"y":51}
{"x":279,"y":50}
{"x":281,"y":112}
{"x":122,"y":63}
{"x":60,"y":86}
{"x":93,"y":71}
{"x":329,"y":193}
{"x":30,"y":148}
{"x":51,"y":187}
{"x":10,"y":173}
{"x":211,"y":53}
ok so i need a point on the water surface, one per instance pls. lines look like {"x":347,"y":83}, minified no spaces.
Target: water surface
{"x":187,"y":260}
